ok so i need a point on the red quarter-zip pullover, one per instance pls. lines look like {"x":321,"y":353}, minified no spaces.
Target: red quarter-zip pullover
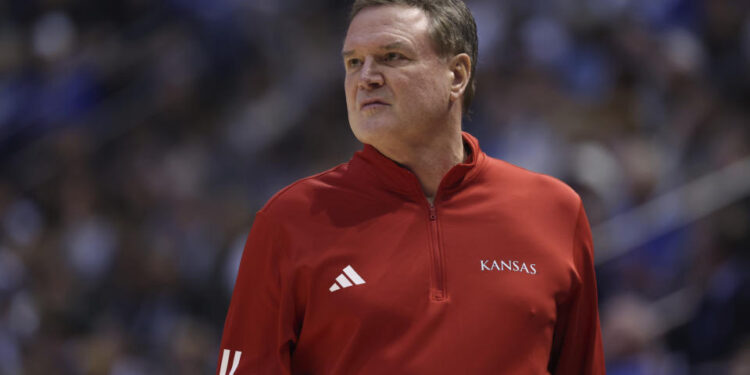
{"x":352,"y":271}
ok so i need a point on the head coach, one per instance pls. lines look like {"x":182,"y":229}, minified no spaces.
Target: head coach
{"x":421,"y":255}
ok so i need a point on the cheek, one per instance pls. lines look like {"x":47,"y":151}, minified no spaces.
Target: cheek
{"x":430,"y":91}
{"x":350,"y":91}
{"x":347,"y":94}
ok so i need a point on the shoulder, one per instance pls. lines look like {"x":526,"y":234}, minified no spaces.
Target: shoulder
{"x":304,"y":197}
{"x":523,"y":184}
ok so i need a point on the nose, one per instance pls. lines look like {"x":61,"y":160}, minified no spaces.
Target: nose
{"x":370,"y":77}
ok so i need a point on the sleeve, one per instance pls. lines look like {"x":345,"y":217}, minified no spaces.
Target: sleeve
{"x":577,"y":343}
{"x":259,"y":329}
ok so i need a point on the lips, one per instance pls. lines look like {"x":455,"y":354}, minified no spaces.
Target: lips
{"x":371,"y":103}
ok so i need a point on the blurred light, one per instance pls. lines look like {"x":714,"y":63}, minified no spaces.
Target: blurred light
{"x":91,"y":246}
{"x":23,"y":222}
{"x":129,"y":366}
{"x":23,"y":315}
{"x":652,"y":12}
{"x":12,"y":271}
{"x":533,"y":144}
{"x":683,"y":51}
{"x":671,"y":210}
{"x":628,"y":322}
{"x":197,"y":254}
{"x":186,"y":169}
{"x":588,"y":73}
{"x":53,"y":35}
{"x":491,"y":26}
{"x":10,"y":355}
{"x":607,"y":9}
{"x":545,"y":40}
{"x":597,"y":168}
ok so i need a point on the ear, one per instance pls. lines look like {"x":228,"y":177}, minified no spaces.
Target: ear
{"x":460,"y":68}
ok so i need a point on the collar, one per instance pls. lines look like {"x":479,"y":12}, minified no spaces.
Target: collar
{"x":393,"y":176}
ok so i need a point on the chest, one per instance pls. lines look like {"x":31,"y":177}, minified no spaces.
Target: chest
{"x":412,"y":262}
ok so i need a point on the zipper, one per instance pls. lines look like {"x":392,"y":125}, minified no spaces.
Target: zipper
{"x":438,"y":293}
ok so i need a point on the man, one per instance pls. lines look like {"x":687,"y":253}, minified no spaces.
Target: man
{"x":421,"y":255}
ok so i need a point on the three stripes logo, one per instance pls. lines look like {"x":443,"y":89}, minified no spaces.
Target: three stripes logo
{"x":343,"y":282}
{"x":225,"y":361}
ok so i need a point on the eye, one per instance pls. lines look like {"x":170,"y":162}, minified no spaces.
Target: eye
{"x":392,"y":56}
{"x":353,"y":63}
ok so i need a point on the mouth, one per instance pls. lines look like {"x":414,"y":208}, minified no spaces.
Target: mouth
{"x":372,"y":103}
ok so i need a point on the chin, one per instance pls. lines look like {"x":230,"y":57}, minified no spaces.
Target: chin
{"x":373,"y":131}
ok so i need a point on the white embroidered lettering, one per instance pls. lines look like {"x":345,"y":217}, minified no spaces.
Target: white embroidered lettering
{"x":484,"y":265}
{"x":524,"y":268}
{"x":507,"y":265}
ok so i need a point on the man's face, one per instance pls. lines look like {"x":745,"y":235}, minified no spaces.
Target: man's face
{"x":397,"y":86}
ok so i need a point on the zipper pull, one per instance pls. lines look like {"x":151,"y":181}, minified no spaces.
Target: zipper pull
{"x":433,"y":215}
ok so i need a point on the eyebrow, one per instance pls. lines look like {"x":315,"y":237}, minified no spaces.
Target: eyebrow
{"x":387,"y":47}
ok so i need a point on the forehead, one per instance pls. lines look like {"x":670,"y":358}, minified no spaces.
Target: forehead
{"x":388,"y":24}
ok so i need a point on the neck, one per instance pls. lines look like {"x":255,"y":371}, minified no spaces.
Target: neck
{"x":429,"y":159}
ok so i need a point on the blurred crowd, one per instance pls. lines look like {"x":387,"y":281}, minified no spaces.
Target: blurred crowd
{"x":138,"y":138}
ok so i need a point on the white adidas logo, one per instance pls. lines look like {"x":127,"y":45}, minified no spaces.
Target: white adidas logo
{"x":344,"y":281}
{"x":225,"y":361}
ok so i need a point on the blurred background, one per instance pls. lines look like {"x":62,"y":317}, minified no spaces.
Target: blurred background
{"x":139,"y":137}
